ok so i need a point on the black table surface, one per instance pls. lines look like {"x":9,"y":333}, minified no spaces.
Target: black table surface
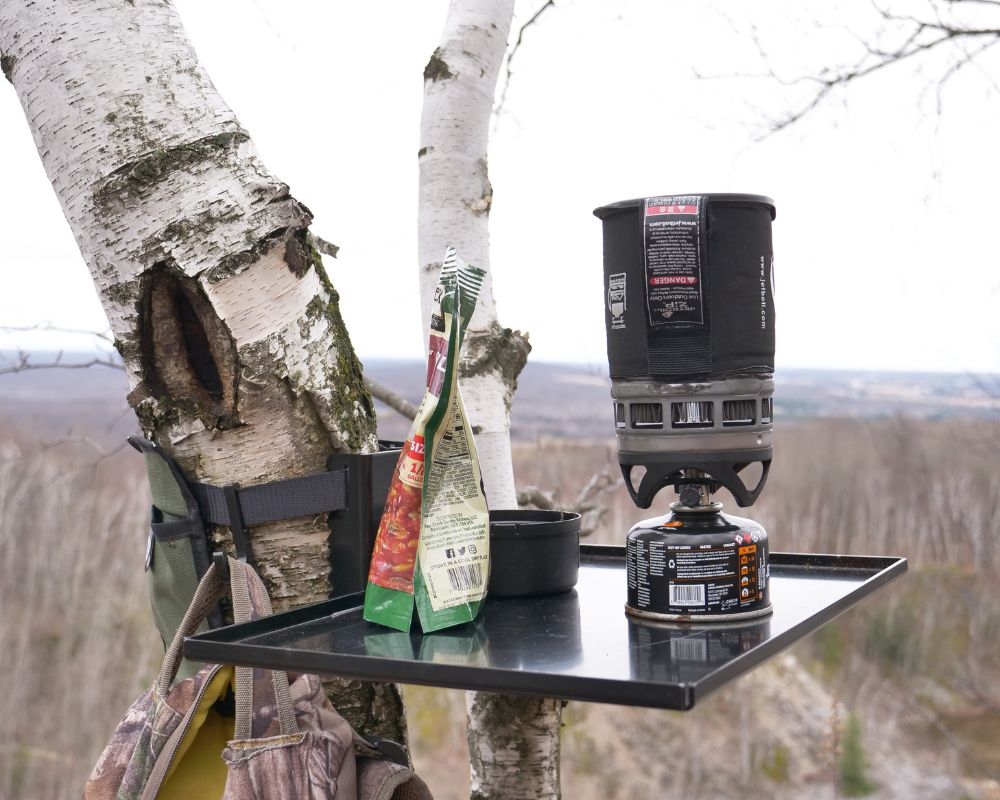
{"x":578,"y":645}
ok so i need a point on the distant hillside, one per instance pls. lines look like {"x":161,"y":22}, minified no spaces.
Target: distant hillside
{"x":563,"y":400}
{"x":570,"y":401}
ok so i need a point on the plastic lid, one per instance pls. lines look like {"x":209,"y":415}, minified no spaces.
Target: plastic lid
{"x":533,"y":522}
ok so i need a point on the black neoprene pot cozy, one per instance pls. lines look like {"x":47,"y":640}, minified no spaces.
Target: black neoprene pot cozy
{"x":689,"y":314}
{"x":533,"y":552}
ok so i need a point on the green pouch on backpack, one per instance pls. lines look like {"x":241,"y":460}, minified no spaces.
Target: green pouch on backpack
{"x":177,"y":550}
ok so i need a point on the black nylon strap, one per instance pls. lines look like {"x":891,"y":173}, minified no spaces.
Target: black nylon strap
{"x":680,"y":353}
{"x":268,"y":502}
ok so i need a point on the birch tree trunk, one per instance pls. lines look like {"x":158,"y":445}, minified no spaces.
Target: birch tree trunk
{"x":237,"y":357}
{"x":513,"y":742}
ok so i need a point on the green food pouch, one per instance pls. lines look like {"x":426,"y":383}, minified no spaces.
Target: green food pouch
{"x":432,"y":547}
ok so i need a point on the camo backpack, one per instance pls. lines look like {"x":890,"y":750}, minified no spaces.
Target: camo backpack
{"x":285,"y":743}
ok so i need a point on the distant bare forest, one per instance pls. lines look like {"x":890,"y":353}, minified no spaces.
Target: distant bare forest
{"x":918,"y":666}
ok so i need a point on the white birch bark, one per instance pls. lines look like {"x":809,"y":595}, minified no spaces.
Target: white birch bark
{"x":237,"y":357}
{"x":513,"y":742}
{"x":455,"y":199}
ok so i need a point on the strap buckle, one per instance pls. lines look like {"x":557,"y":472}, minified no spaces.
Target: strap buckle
{"x":241,"y":533}
{"x":239,"y":529}
{"x":388,"y":749}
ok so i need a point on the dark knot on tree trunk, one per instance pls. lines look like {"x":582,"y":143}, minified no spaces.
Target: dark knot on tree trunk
{"x":437,"y":68}
{"x":500,"y":350}
{"x":7,"y":66}
{"x":188,"y":357}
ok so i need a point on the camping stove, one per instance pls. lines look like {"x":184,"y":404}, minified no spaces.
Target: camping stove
{"x":690,"y":329}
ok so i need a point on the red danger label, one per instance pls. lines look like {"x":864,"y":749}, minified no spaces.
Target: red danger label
{"x":674,"y":280}
{"x":671,"y":233}
{"x":655,"y":211}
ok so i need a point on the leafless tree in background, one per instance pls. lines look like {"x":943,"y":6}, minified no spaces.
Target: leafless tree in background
{"x":947,"y":37}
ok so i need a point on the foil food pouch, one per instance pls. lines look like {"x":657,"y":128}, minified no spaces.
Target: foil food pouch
{"x":432,"y":548}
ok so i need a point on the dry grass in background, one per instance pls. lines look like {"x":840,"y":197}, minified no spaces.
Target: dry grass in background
{"x":77,"y":637}
{"x":919,"y":663}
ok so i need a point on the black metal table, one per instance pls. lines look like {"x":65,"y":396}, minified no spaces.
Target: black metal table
{"x":578,"y":645}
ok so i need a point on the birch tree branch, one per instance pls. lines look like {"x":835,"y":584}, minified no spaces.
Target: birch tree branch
{"x":589,"y":503}
{"x":533,"y":496}
{"x":390,"y":398}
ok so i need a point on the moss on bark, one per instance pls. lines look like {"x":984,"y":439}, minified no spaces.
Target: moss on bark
{"x":351,"y":405}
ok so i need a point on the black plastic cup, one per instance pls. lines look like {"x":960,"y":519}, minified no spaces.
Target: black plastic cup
{"x":533,"y":552}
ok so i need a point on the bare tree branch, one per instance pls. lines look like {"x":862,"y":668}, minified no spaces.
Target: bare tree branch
{"x":973,"y":2}
{"x":850,"y":75}
{"x":533,"y":496}
{"x":921,"y":35}
{"x":588,"y":504}
{"x":24,"y":364}
{"x":969,"y":57}
{"x":390,"y":398}
{"x":48,"y":327}
{"x":601,"y":483}
{"x":74,"y":439}
{"x":513,"y":52}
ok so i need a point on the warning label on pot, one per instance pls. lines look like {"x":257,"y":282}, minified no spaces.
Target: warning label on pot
{"x":671,"y":234}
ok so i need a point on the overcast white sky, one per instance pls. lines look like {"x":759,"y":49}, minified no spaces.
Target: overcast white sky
{"x":886,"y":237}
